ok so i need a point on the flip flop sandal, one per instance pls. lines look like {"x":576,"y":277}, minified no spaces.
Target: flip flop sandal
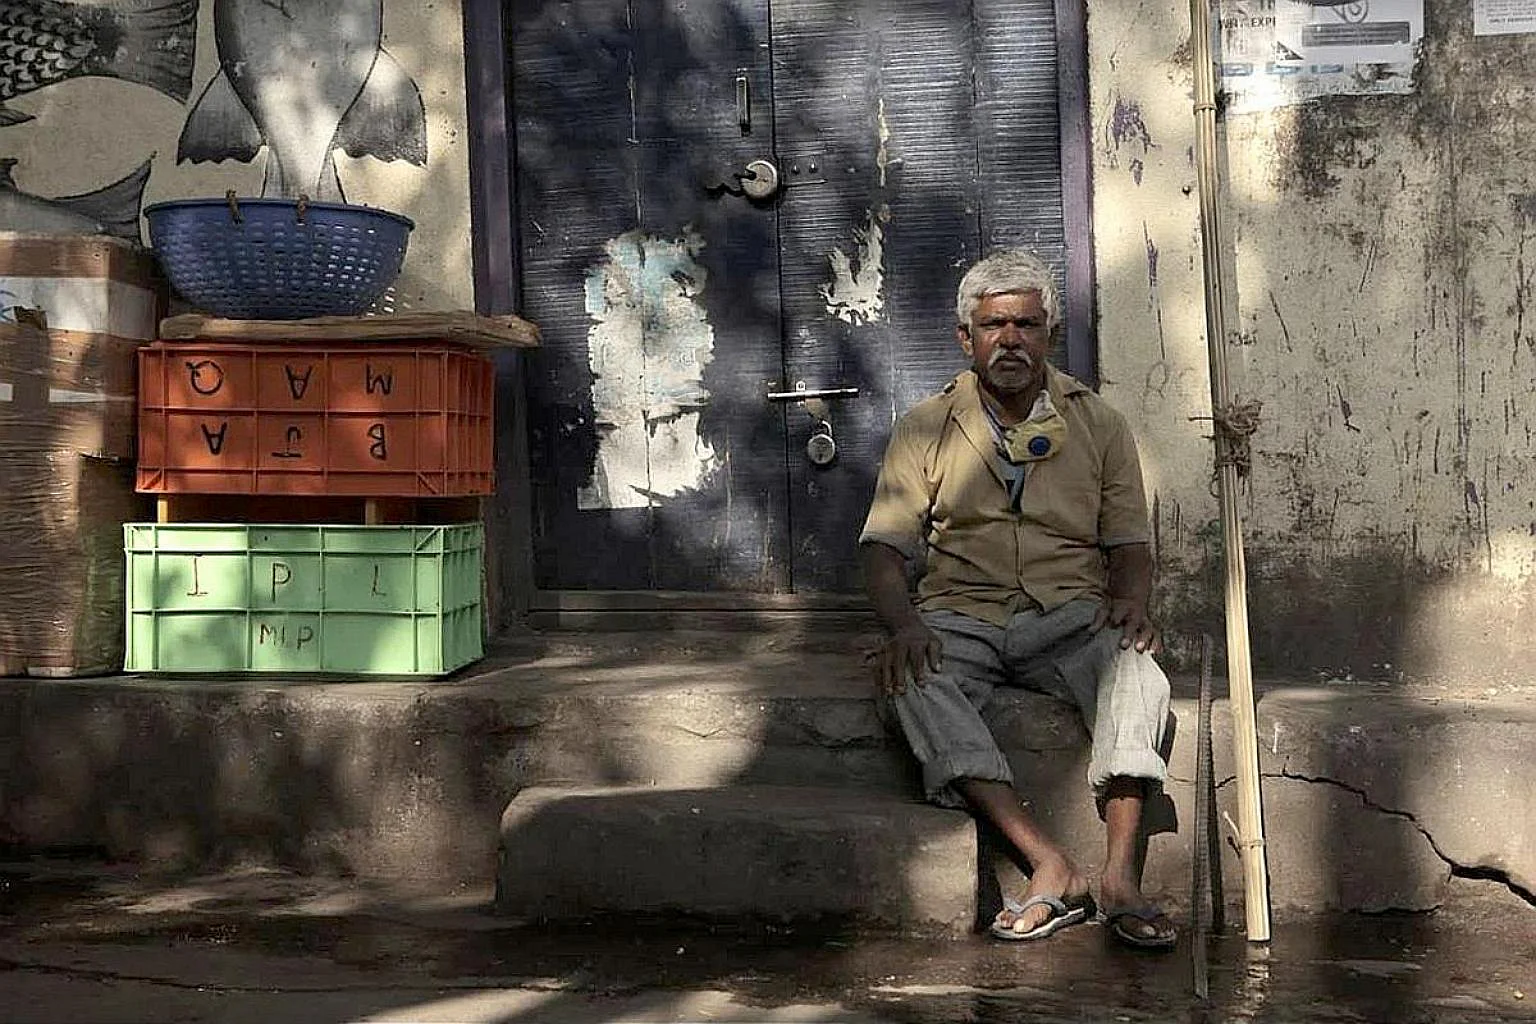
{"x":1116,"y":918}
{"x":1063,"y":915}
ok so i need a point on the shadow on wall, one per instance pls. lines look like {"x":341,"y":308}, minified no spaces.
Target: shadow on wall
{"x":1376,"y":301}
{"x":671,"y":304}
{"x":1376,"y":298}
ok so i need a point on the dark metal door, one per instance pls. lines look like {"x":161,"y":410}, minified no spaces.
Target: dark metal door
{"x":932,"y":128}
{"x":657,"y":463}
{"x":910,"y":136}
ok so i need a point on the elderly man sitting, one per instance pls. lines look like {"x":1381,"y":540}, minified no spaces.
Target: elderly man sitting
{"x":1019,"y":492}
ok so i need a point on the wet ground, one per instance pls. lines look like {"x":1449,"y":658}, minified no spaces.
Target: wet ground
{"x":88,"y":942}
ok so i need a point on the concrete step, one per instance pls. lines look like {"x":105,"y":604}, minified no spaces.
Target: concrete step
{"x":1375,"y":795}
{"x":768,"y":853}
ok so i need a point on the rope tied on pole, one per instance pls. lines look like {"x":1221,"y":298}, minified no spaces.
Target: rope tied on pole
{"x":1236,"y":422}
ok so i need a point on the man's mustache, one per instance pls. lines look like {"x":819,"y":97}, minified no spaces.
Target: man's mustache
{"x":1014,"y":357}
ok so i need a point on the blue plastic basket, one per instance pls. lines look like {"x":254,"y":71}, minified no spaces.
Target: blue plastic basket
{"x":277,"y":259}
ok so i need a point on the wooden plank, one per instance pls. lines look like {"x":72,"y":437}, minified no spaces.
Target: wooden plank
{"x":31,"y":255}
{"x":459,"y":326}
{"x":860,"y":629}
{"x":280,"y":508}
{"x":679,"y":601}
{"x":496,"y":250}
{"x":492,"y":217}
{"x":1082,"y":343}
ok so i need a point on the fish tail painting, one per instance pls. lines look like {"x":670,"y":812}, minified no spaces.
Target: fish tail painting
{"x":147,"y":42}
{"x":111,"y":210}
{"x":304,"y":78}
{"x":116,"y":206}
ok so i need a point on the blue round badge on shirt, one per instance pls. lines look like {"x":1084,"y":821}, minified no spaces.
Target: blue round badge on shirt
{"x":1039,"y":445}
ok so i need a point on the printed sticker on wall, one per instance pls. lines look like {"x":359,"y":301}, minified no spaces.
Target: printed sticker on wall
{"x":647,"y":347}
{"x":1280,"y":54}
{"x":304,"y":78}
{"x":43,"y":42}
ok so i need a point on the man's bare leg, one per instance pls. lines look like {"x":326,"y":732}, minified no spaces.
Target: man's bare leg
{"x":1124,"y":799}
{"x":1051,"y":873}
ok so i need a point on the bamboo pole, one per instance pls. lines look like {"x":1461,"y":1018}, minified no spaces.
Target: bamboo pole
{"x":1245,"y":740}
{"x":1201,"y":910}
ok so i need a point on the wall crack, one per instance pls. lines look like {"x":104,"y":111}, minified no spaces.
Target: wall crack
{"x":1458,"y":870}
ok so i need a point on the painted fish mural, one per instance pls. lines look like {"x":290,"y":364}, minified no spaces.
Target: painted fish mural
{"x":304,"y":78}
{"x":150,"y":42}
{"x":113,"y":210}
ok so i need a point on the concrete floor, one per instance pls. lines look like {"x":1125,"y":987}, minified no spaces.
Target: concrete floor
{"x":84,"y":941}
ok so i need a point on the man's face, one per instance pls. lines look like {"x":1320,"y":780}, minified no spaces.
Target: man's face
{"x":1008,"y":341}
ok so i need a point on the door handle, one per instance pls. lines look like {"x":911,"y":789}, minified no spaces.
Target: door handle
{"x":803,"y":395}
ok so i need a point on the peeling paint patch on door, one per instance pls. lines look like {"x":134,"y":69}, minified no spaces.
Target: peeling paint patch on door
{"x":855,"y":294}
{"x":648,"y":345}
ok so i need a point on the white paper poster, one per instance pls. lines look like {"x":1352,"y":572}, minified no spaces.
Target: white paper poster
{"x":1272,"y":53}
{"x":1503,"y":17}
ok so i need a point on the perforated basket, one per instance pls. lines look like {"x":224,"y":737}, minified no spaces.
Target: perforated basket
{"x":277,"y":259}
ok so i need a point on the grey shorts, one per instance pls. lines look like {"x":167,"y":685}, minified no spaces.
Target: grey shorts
{"x":1123,"y":706}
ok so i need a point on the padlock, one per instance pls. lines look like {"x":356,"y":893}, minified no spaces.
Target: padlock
{"x":821,"y":449}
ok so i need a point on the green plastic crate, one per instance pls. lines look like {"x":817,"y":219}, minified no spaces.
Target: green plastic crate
{"x":375,"y":600}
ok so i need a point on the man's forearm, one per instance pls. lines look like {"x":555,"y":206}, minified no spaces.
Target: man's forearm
{"x":1130,"y":573}
{"x":885,"y":580}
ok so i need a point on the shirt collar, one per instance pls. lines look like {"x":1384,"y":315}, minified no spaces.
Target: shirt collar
{"x":971,"y":416}
{"x":967,"y":390}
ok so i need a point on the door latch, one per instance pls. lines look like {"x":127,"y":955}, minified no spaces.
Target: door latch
{"x":804,"y":394}
{"x":821,"y":448}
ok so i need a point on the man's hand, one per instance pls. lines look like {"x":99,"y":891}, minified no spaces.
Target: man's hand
{"x":910,"y":647}
{"x":1130,"y":617}
{"x":911,"y":652}
{"x":1130,"y":588}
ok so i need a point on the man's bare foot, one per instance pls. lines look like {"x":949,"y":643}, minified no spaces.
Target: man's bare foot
{"x":1131,"y":917}
{"x":1056,"y":878}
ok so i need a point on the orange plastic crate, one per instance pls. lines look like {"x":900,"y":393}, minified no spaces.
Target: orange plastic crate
{"x":371,"y":421}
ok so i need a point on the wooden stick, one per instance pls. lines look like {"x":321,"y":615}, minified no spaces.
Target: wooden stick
{"x":1245,"y":740}
{"x":460,"y":326}
{"x":163,"y":509}
{"x":1202,"y":890}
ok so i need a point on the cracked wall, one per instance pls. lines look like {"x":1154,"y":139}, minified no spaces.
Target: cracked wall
{"x":1379,"y":285}
{"x":1426,"y":790}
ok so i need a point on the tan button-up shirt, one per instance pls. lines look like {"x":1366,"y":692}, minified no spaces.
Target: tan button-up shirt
{"x":941,"y":493}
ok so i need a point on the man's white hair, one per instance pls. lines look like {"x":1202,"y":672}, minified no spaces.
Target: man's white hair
{"x":1008,"y":272}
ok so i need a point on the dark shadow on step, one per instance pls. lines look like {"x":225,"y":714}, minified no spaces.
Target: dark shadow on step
{"x":811,"y":858}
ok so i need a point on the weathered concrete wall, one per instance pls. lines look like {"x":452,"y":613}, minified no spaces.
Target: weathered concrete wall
{"x":88,"y":132}
{"x":1378,"y":293}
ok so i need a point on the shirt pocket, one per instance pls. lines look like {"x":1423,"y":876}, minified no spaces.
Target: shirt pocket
{"x":1063,"y":496}
{"x":968,"y":497}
